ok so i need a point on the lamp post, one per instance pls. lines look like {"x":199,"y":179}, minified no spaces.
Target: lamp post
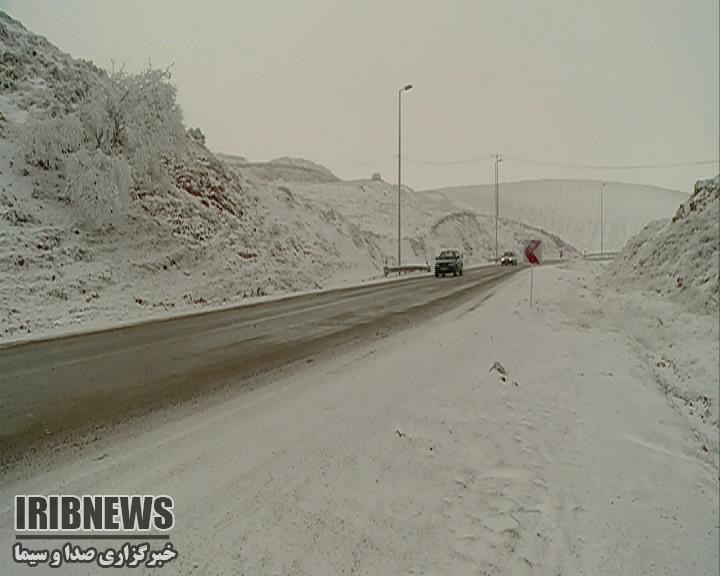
{"x":403,"y":89}
{"x":602,"y":188}
{"x":498,"y":159}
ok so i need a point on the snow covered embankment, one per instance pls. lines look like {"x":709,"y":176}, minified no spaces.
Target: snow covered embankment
{"x":663,"y":289}
{"x":677,"y":258}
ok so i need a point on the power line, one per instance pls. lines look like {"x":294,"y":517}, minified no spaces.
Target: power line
{"x":449,"y":162}
{"x":383,"y":160}
{"x":612,"y":167}
{"x":386,"y":159}
{"x":522,"y":160}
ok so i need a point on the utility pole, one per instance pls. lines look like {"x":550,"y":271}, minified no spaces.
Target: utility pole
{"x":602,"y":187}
{"x":498,"y":159}
{"x":403,"y":89}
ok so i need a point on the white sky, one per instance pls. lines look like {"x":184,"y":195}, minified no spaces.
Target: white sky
{"x":611,"y":82}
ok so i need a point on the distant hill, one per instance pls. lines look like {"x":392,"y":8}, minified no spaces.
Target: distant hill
{"x":570,"y":208}
{"x":285,"y":168}
{"x":429,"y":223}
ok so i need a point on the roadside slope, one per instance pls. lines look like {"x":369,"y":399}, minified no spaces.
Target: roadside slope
{"x":663,"y":289}
{"x":679,"y":257}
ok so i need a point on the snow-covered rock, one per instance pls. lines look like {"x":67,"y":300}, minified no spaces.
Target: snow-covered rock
{"x":677,"y":257}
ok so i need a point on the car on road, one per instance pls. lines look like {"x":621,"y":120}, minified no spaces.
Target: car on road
{"x":449,"y":262}
{"x":509,"y":258}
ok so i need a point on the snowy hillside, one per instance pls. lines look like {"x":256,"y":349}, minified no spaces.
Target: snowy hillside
{"x":678,"y":257}
{"x":292,"y":169}
{"x":110,"y":212}
{"x":571,"y":208}
{"x":663,"y":288}
{"x":429,"y":224}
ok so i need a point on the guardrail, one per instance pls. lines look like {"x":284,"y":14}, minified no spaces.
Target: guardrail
{"x":600,"y":255}
{"x":406,"y":268}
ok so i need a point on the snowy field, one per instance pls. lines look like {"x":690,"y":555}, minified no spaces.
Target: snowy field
{"x":412,"y":455}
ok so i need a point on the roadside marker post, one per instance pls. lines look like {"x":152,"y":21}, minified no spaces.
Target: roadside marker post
{"x":533,"y":253}
{"x":531,"y":283}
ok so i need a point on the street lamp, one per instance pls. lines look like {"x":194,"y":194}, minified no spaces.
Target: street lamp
{"x":403,"y":89}
{"x":602,"y":187}
{"x":498,"y":159}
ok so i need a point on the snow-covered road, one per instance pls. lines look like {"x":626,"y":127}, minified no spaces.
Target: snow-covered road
{"x":409,"y":456}
{"x":60,"y":386}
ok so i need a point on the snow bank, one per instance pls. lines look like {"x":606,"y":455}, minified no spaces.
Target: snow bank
{"x":677,"y":258}
{"x":680,"y":349}
{"x":663,"y":290}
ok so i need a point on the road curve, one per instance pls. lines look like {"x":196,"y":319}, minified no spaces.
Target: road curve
{"x":52,"y":387}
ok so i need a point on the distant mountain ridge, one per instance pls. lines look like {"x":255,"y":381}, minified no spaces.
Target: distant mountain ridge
{"x":566,"y":208}
{"x":571,"y":208}
{"x":284,"y":168}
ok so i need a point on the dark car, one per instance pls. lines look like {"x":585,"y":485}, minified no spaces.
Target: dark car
{"x":508,"y":259}
{"x":449,"y":262}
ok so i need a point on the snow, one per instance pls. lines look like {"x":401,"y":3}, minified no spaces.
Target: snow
{"x":196,"y":236}
{"x":214,"y":231}
{"x":195,"y":232}
{"x":678,"y":257}
{"x":428,"y":224}
{"x":37,"y":74}
{"x":285,"y":168}
{"x":663,"y":288}
{"x":682,"y":351}
{"x":590,"y":448}
{"x":410,"y":455}
{"x":595,"y":452}
{"x":571,"y":208}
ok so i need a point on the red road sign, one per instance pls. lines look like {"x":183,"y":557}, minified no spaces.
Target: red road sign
{"x":532,"y":251}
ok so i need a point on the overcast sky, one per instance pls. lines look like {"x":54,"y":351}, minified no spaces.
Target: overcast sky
{"x":599,"y":82}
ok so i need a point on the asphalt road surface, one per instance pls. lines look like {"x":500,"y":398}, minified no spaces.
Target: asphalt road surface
{"x":55,"y":387}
